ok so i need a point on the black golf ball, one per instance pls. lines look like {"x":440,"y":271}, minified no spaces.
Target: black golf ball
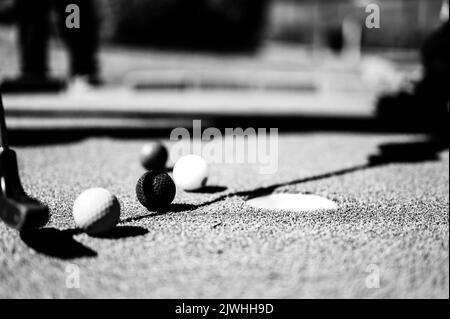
{"x":155,"y":190}
{"x":154,"y":156}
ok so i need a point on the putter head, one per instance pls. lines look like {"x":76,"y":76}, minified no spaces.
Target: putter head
{"x":17,"y":209}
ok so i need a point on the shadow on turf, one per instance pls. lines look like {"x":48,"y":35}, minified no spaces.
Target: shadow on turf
{"x":390,"y":153}
{"x":56,"y":243}
{"x":179,"y":207}
{"x":211,"y":190}
{"x":122,"y":232}
{"x":411,"y":152}
{"x":61,"y":243}
{"x":173,"y":208}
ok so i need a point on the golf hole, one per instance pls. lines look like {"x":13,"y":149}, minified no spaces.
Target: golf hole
{"x":293,"y":203}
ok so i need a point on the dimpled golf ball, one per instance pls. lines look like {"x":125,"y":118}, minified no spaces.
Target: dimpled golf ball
{"x":154,"y":156}
{"x":191,"y":173}
{"x":96,"y":211}
{"x":155,"y":190}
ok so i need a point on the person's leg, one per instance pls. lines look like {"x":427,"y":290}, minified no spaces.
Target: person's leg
{"x":83,"y":42}
{"x":33,"y":34}
{"x":33,"y":24}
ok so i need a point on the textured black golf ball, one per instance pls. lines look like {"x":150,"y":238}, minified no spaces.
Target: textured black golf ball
{"x":154,"y":156}
{"x":155,"y":190}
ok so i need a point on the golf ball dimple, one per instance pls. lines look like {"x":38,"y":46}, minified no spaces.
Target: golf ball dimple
{"x":96,"y":211}
{"x":154,"y":156}
{"x":190,"y":173}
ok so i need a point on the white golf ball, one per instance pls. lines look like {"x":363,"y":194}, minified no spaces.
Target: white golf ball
{"x":96,"y":211}
{"x":190,"y":173}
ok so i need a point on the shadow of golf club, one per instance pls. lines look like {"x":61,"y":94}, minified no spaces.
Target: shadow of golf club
{"x":173,"y":208}
{"x":211,"y":190}
{"x":412,"y":152}
{"x":61,"y":243}
{"x":409,"y":152}
{"x":122,"y":232}
{"x":390,"y":153}
{"x":56,"y":243}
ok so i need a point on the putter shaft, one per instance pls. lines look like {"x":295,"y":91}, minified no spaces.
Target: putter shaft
{"x":17,"y":209}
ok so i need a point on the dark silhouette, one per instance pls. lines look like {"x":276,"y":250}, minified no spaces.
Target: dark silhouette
{"x":173,"y":208}
{"x":62,"y":245}
{"x":56,"y":243}
{"x":211,"y":190}
{"x":121,"y":232}
{"x":429,"y":100}
{"x":34,"y":24}
{"x":413,"y":152}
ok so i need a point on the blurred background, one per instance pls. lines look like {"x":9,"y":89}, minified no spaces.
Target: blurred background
{"x":351,"y":104}
{"x":319,"y":54}
{"x":245,"y":26}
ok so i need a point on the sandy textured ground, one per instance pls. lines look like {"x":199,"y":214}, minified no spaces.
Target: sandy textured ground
{"x":392,"y":221}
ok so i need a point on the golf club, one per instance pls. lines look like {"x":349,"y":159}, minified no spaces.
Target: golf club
{"x":17,"y":209}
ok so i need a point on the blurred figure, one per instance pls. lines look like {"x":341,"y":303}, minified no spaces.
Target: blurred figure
{"x":429,"y":98}
{"x":34,"y":26}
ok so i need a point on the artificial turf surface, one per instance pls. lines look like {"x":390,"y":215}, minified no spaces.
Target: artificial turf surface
{"x":393,"y":219}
